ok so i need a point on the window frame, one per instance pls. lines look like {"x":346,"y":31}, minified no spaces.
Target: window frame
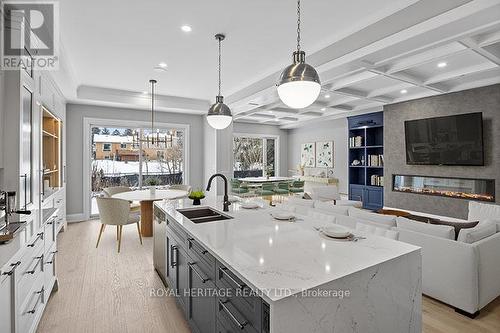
{"x":263,"y":137}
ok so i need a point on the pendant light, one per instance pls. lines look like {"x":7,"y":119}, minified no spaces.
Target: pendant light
{"x":299,"y":85}
{"x":153,"y":139}
{"x":219,"y":115}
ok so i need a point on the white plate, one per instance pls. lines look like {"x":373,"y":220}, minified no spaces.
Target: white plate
{"x":336,"y":231}
{"x":283,"y":216}
{"x":250,"y":205}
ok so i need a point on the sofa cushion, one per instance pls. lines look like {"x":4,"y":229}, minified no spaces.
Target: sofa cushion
{"x":370,"y":229}
{"x":481,"y":211}
{"x":330,"y":207}
{"x":379,"y":218}
{"x":442,"y":231}
{"x":475,"y":234}
{"x":349,"y":203}
{"x":491,"y":221}
{"x":457,"y":225}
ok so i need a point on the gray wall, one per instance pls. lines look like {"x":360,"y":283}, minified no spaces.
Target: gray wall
{"x":335,"y":130}
{"x":74,"y":148}
{"x":268,"y":130}
{"x":485,"y":100}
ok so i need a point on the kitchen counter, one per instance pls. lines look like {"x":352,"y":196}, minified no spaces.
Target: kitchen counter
{"x":288,"y":262}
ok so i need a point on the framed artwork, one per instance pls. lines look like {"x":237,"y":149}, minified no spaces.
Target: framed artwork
{"x":324,"y":154}
{"x":308,"y":155}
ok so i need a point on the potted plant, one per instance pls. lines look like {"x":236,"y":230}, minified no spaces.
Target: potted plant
{"x":196,"y":196}
{"x":152,"y":182}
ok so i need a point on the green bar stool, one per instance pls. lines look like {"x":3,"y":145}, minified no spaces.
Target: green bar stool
{"x":282,"y":189}
{"x":297,"y":186}
{"x":238,"y":187}
{"x":266,"y":190}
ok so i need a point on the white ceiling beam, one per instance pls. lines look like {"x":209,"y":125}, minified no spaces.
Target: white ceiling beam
{"x":362,"y":95}
{"x":488,"y":39}
{"x":140,"y":100}
{"x":350,"y":80}
{"x":482,"y":52}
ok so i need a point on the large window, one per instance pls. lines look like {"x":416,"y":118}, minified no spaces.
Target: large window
{"x":254,"y":156}
{"x":118,"y":160}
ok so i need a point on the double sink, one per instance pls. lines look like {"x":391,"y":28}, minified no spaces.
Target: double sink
{"x":203,"y":214}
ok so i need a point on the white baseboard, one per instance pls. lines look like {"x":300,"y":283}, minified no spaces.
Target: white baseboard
{"x":70,"y":218}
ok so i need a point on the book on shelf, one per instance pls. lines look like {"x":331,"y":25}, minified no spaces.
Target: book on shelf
{"x":376,"y":160}
{"x":356,"y":141}
{"x":376,"y":180}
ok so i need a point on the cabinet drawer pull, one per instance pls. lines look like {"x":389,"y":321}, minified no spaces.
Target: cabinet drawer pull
{"x":191,"y":240}
{"x":14,"y":265}
{"x":239,"y":285}
{"x":203,"y":280}
{"x":39,"y":260}
{"x":38,"y":237}
{"x":52,"y":220}
{"x":51,"y":261}
{"x":232,"y":316}
{"x":173,"y":262}
{"x":40,"y":295}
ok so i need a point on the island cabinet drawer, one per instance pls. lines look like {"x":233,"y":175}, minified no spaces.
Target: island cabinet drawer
{"x":232,"y":320}
{"x":178,"y":232}
{"x":239,"y":295}
{"x":49,"y":267}
{"x":30,"y":309}
{"x":202,"y":257}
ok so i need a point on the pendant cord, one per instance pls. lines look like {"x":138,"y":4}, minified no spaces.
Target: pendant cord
{"x":152,"y":107}
{"x":219,"y":66}
{"x":298,"y":25}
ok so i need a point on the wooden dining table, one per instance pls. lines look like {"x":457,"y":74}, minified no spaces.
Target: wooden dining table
{"x":146,"y":200}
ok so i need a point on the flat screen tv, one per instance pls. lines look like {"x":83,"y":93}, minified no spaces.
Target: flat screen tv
{"x":451,"y":140}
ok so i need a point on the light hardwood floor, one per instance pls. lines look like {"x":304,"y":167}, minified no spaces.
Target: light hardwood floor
{"x":103,"y":291}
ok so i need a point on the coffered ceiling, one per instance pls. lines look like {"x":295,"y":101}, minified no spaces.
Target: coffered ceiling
{"x":368,"y":53}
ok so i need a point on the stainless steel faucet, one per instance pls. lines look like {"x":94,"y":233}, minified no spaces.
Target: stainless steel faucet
{"x":226,"y":198}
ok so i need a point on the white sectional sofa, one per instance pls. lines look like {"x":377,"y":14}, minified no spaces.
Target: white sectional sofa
{"x":464,"y":273}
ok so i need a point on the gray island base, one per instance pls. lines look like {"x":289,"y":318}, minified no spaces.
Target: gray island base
{"x":281,"y":277}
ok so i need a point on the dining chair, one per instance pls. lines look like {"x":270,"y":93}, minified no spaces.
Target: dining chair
{"x":110,"y":191}
{"x":113,"y":211}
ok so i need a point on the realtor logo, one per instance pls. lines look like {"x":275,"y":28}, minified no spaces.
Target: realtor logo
{"x":30,"y":35}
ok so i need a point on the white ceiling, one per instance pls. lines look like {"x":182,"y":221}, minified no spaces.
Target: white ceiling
{"x":366,"y":52}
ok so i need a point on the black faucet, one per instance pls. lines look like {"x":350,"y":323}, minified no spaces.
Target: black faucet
{"x":226,"y":198}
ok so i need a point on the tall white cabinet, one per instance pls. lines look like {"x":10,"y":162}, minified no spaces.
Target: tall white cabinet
{"x":28,"y":263}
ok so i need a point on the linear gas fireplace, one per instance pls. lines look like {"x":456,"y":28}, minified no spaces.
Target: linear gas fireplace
{"x":462,"y":188}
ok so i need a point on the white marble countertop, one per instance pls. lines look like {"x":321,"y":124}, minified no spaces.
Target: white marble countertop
{"x":282,"y":258}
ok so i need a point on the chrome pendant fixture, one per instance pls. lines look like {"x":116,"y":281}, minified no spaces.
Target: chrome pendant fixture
{"x":154,"y":138}
{"x":219,"y":115}
{"x":299,"y":84}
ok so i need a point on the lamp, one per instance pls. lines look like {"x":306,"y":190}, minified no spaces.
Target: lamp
{"x":219,"y":115}
{"x":299,"y":84}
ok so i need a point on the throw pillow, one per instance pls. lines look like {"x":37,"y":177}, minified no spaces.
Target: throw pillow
{"x":477,"y":233}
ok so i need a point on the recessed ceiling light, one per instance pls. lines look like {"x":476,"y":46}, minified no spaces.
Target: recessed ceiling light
{"x":404,"y":91}
{"x":323,"y":109}
{"x":162,"y":65}
{"x":144,"y":92}
{"x":327,"y":96}
{"x":442,"y":64}
{"x":186,"y":28}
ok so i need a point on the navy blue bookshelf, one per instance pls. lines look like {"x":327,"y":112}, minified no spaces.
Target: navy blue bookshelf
{"x":365,"y":160}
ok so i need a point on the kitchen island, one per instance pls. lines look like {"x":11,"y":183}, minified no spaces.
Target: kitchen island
{"x":306,"y":283}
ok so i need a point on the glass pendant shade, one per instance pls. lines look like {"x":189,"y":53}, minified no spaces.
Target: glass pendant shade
{"x":219,"y":115}
{"x":299,"y":85}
